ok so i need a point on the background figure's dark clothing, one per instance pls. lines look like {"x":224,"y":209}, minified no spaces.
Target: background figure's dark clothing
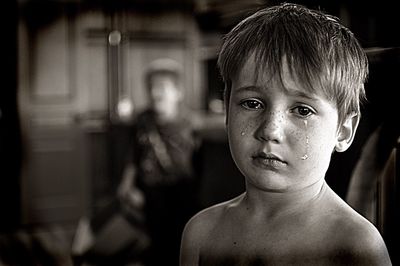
{"x":163,"y":155}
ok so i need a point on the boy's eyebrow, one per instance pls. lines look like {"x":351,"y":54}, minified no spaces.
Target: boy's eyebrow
{"x":248,"y":88}
{"x":302,"y":94}
{"x":290,"y":91}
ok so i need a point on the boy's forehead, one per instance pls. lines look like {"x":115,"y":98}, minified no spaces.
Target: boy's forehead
{"x":286,"y":78}
{"x":250,"y":73}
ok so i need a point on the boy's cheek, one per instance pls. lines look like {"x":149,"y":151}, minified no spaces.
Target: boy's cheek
{"x":238,"y":123}
{"x":319,"y":148}
{"x":247,"y":128}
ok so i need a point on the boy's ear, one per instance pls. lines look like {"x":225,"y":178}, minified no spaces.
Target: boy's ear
{"x":347,"y":131}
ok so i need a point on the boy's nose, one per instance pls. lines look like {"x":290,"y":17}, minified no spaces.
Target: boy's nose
{"x":271,"y":128}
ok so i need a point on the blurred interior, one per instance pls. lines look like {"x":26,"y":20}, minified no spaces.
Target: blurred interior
{"x":73,"y":80}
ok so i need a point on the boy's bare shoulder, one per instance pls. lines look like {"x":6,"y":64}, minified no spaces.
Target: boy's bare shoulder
{"x":198,"y":229}
{"x":208,"y":218}
{"x":361,"y":242}
{"x":364,"y":241}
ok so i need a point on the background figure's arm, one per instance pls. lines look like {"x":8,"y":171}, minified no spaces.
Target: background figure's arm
{"x":127,"y":192}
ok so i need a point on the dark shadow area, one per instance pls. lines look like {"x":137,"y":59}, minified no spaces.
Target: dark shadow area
{"x":10,"y":135}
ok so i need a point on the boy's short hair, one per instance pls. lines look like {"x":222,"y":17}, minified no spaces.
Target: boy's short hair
{"x":318,"y":49}
{"x":163,"y":66}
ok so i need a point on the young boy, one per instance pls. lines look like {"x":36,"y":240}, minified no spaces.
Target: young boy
{"x":293,"y":78}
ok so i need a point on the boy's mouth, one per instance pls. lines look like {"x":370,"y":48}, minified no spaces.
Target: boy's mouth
{"x":268,"y":160}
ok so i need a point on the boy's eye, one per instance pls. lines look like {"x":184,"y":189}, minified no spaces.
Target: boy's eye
{"x":252,"y":104}
{"x":303,"y":111}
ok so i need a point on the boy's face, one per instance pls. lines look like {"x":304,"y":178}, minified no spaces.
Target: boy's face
{"x":280,"y":136}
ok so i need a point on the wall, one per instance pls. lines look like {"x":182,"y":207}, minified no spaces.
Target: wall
{"x":70,"y":82}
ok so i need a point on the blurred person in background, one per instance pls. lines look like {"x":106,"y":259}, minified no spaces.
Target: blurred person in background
{"x":159,"y":176}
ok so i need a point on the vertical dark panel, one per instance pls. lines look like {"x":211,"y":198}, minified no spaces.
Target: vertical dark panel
{"x":10,"y":143}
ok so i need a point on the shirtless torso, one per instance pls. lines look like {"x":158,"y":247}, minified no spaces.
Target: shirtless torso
{"x":323,"y":232}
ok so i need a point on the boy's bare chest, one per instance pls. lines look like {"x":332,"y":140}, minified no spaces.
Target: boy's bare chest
{"x":264,"y":246}
{"x":273,"y":253}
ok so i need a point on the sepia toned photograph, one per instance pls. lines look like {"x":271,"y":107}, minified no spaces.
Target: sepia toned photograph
{"x":199,"y":133}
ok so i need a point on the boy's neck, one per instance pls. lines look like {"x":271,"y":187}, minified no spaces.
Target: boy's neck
{"x":265,"y":204}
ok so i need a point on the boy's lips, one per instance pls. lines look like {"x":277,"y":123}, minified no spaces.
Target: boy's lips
{"x":268,"y":160}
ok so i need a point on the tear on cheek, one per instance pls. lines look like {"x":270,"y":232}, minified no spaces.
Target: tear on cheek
{"x":246,"y":129}
{"x":307,"y":140}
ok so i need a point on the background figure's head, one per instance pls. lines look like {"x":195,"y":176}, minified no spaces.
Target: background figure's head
{"x":163,"y":83}
{"x":318,"y":49}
